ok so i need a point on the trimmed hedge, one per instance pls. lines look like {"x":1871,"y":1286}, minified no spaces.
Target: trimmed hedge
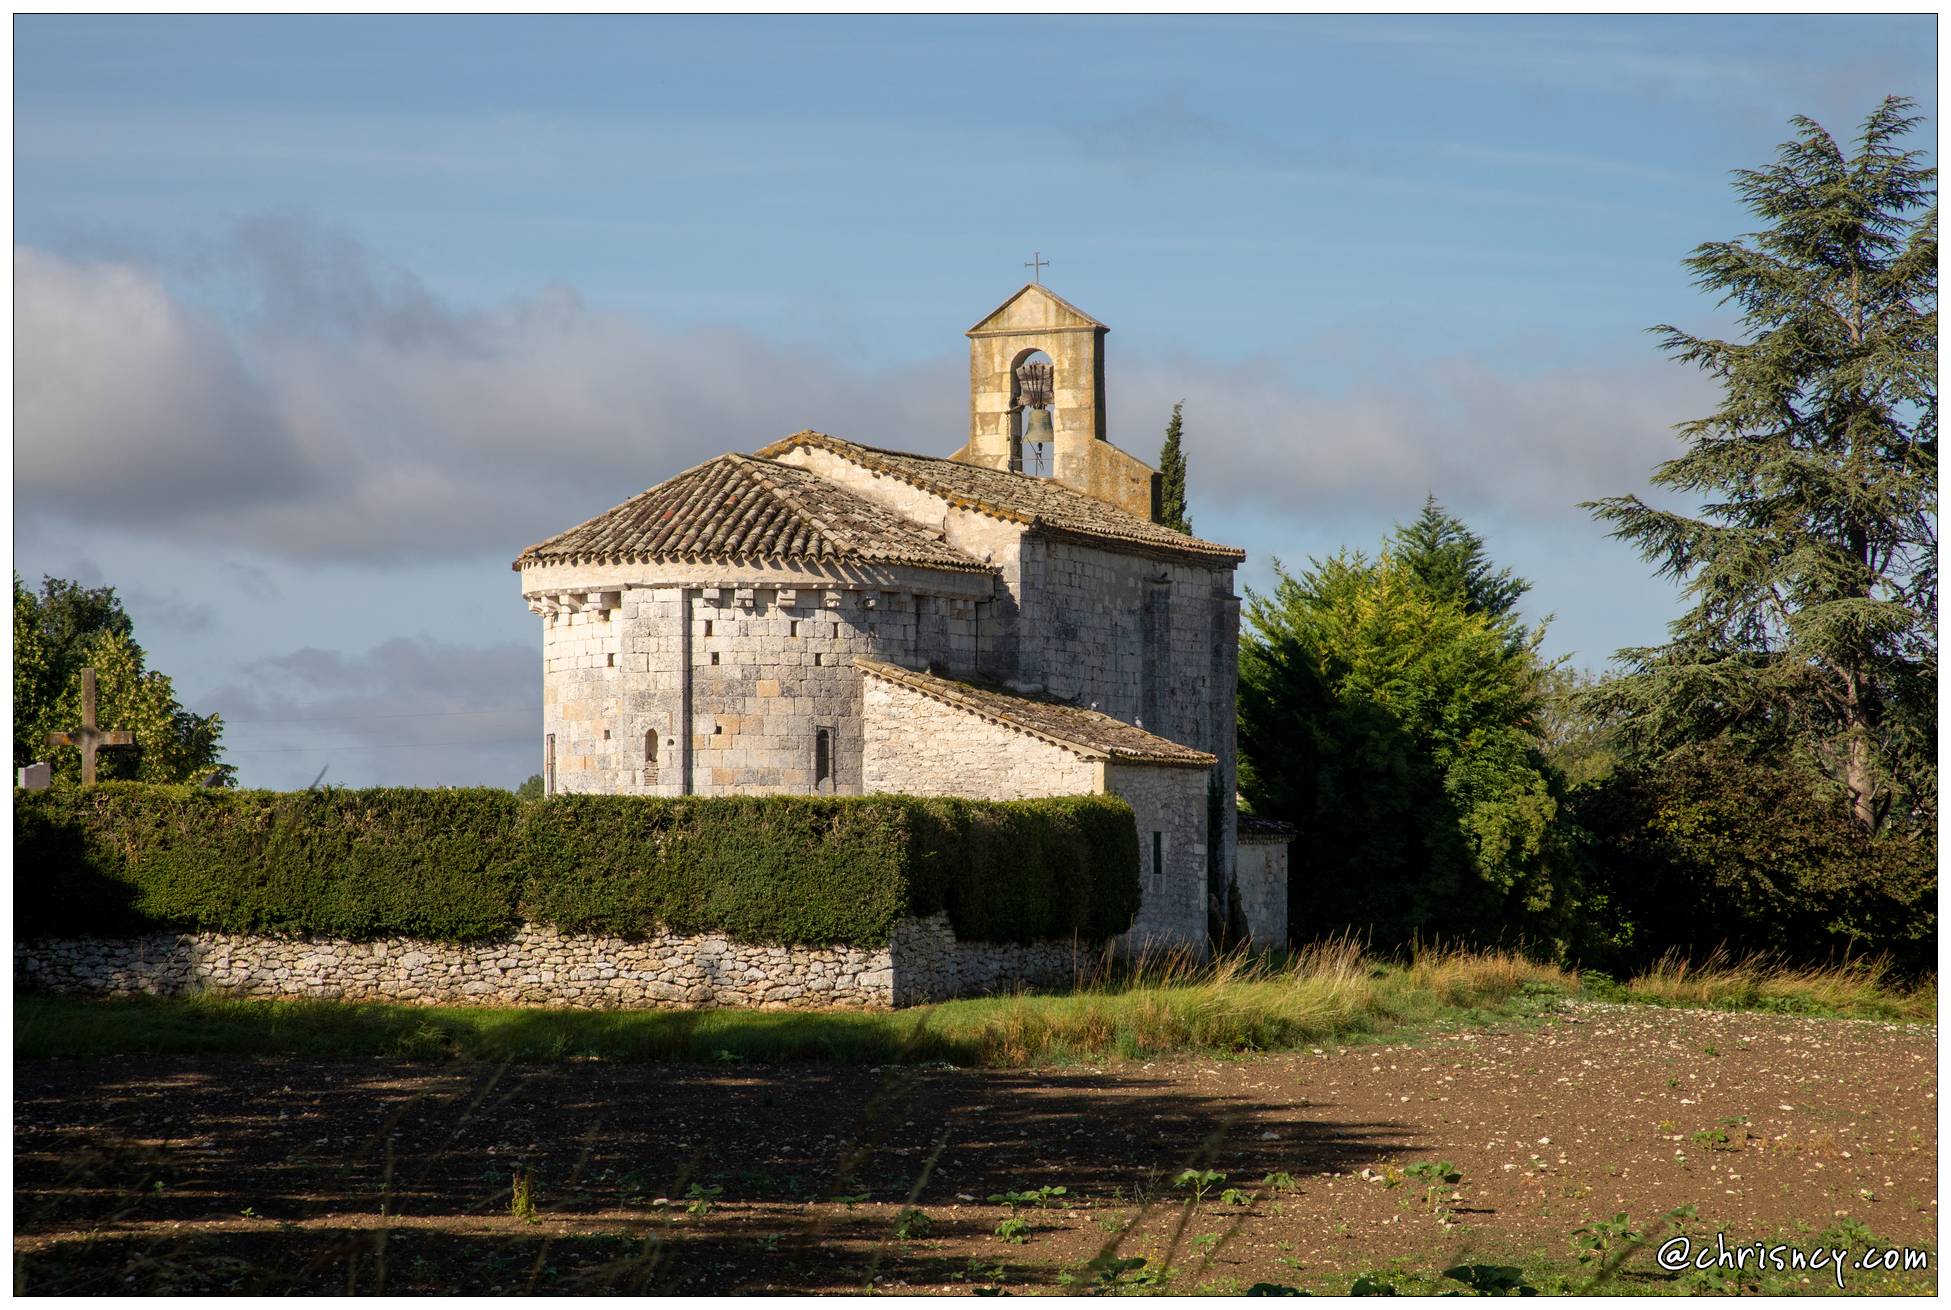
{"x":127,"y":856}
{"x":470,"y":864}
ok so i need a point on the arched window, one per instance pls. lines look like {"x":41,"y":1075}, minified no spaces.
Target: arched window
{"x":822,"y":760}
{"x":1033,"y":442}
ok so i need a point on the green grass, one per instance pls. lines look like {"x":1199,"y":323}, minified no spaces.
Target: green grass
{"x":1330,"y":993}
{"x":1324,"y":994}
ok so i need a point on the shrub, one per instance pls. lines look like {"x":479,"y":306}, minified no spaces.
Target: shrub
{"x":1017,"y":871}
{"x":1708,"y":849}
{"x":472,"y":864}
{"x":804,"y":869}
{"x":356,"y":864}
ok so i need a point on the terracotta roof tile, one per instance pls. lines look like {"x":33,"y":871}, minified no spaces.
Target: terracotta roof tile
{"x":1254,"y":828}
{"x":1094,"y":735}
{"x":1044,"y":505}
{"x":740,"y":507}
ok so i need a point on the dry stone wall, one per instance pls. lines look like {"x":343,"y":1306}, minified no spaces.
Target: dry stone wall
{"x":542,"y":967}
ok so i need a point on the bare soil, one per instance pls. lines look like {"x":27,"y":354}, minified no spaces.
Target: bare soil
{"x":224,"y":1174}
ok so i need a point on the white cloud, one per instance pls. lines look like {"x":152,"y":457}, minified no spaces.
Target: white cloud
{"x":341,"y":411}
{"x":1529,"y":444}
{"x":346,"y":413}
{"x":129,"y":407}
{"x":406,"y":709}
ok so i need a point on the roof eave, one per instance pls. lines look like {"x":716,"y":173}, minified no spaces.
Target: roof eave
{"x":921,"y":683}
{"x":1017,"y":294}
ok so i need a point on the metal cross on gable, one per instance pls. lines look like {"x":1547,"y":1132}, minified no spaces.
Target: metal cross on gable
{"x":91,"y":738}
{"x":1036,"y":266}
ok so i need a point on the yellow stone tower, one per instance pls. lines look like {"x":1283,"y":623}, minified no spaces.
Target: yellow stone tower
{"x":1036,"y":401}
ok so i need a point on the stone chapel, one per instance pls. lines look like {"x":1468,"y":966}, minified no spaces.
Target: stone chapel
{"x":1003,"y":622}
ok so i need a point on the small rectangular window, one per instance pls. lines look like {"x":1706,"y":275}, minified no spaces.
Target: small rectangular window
{"x":707,"y":627}
{"x":714,"y":657}
{"x":1158,"y":857}
{"x":822,"y":760}
{"x":792,"y":627}
{"x":548,"y":765}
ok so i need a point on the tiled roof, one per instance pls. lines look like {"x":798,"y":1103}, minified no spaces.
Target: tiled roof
{"x":739,"y":507}
{"x":1094,"y":735}
{"x":1047,"y":506}
{"x":1254,"y":828}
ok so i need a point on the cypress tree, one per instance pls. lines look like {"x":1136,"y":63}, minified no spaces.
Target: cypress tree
{"x":1172,"y":476}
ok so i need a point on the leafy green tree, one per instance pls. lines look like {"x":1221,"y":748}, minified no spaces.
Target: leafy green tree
{"x":1575,"y":739}
{"x":531,"y":788}
{"x":1441,"y":552}
{"x":68,"y":627}
{"x":1708,"y":850}
{"x":1172,"y":475}
{"x":1811,"y":566}
{"x":1396,"y":729}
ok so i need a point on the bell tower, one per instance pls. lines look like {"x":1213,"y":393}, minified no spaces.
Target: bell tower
{"x":1036,"y":401}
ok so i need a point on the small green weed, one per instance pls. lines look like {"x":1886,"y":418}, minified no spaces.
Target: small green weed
{"x":1492,"y":1280}
{"x":521,"y":1195}
{"x":1200,"y":1181}
{"x":1022,"y":1198}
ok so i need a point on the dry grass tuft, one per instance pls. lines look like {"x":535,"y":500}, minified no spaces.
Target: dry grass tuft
{"x":1165,"y":1003}
{"x":1862,"y":988}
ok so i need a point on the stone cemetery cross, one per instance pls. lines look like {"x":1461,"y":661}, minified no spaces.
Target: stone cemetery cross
{"x":90,"y":739}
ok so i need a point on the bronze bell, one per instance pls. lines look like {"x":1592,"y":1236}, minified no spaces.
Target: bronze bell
{"x":1036,"y":426}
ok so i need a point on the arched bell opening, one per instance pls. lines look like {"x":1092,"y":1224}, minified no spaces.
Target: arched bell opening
{"x":1032,"y":438}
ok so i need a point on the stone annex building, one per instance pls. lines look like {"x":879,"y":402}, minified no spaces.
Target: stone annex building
{"x":1008,"y":621}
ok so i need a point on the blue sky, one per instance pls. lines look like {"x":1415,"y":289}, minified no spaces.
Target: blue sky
{"x":320,"y":321}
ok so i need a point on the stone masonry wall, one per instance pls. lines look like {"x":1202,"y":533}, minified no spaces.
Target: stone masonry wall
{"x":1170,"y":802}
{"x":978,"y":535}
{"x":1263,"y":891}
{"x":543,"y":967}
{"x":1155,"y":643}
{"x":931,"y":965}
{"x":724,"y":690}
{"x":918,"y":745}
